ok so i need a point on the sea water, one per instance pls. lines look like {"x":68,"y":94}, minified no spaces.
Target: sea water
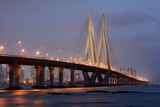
{"x":111,"y":96}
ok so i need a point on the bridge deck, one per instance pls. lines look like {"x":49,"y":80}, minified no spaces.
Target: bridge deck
{"x":28,"y":60}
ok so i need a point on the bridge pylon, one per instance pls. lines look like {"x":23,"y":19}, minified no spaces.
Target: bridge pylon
{"x":104,"y":40}
{"x":90,"y":39}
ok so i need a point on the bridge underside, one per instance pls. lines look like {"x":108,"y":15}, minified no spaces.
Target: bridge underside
{"x":109,"y":78}
{"x":92,"y":75}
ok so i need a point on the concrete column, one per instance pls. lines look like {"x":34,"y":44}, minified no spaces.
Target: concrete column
{"x":93,"y":78}
{"x":17,"y":73}
{"x":85,"y":77}
{"x":11,"y":75}
{"x":118,"y":79}
{"x":106,"y":78}
{"x":60,"y":76}
{"x":100,"y":79}
{"x":88,"y":78}
{"x":127,"y":81}
{"x":72,"y":76}
{"x":112,"y":80}
{"x":132,"y":81}
{"x":38,"y":70}
{"x":40,"y":75}
{"x":115,"y":80}
{"x":51,"y":69}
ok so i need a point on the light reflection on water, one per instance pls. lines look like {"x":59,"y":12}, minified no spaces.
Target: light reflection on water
{"x":40,"y":97}
{"x":19,"y":92}
{"x":3,"y":101}
{"x":19,"y":100}
{"x":37,"y":102}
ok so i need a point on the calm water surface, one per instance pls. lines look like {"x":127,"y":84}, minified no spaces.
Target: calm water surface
{"x":136,"y":96}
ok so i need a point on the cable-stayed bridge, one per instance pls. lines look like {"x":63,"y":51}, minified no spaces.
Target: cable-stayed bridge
{"x":104,"y":73}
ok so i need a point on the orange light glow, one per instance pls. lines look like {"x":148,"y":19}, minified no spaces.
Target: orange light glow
{"x":1,"y":47}
{"x":24,"y":82}
{"x":46,"y":54}
{"x":22,"y":50}
{"x":37,"y":53}
{"x":19,"y":42}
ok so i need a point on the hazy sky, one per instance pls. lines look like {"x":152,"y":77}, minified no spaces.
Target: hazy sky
{"x":53,"y":25}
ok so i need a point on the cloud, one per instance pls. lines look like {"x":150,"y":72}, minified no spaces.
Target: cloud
{"x":140,"y":38}
{"x":127,"y":19}
{"x":50,"y":2}
{"x":22,"y":7}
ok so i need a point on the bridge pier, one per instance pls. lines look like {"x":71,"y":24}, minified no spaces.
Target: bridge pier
{"x":38,"y":69}
{"x":93,"y":78}
{"x":125,"y":81}
{"x":86,"y":77}
{"x":111,"y":80}
{"x":131,"y":81}
{"x":72,"y":76}
{"x":60,"y":75}
{"x":40,"y":76}
{"x":114,"y":80}
{"x":51,"y":69}
{"x":14,"y":70}
{"x":100,"y":79}
{"x":89,"y":81}
{"x":122,"y":80}
{"x":17,"y":73}
{"x":106,"y":78}
{"x":11,"y":75}
{"x":118,"y":79}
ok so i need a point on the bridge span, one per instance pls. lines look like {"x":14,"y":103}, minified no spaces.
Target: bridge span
{"x":14,"y":63}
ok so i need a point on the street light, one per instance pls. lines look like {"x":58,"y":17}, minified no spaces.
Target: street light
{"x":71,"y":59}
{"x":46,"y":54}
{"x":51,"y":58}
{"x":20,"y":43}
{"x":22,"y":50}
{"x":1,"y":49}
{"x":37,"y":53}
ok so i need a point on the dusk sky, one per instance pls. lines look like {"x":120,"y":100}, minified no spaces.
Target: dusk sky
{"x":56,"y":25}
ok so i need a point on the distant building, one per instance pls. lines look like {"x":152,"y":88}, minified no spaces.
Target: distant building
{"x":33,"y":74}
{"x":48,"y":75}
{"x":4,"y":74}
{"x":22,"y":74}
{"x":56,"y":78}
{"x":77,"y":77}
